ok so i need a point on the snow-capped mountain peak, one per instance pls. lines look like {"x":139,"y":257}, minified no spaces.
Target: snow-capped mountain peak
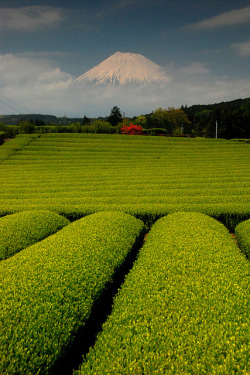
{"x":124,"y":69}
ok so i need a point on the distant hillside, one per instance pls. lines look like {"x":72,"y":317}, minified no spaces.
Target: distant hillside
{"x":232,"y":118}
{"x":14,"y":119}
{"x":37,"y":118}
{"x":233,"y":104}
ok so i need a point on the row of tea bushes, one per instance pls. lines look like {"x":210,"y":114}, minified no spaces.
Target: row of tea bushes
{"x":229,"y":213}
{"x":183,"y":308}
{"x":22,"y":229}
{"x":11,"y":147}
{"x":48,"y":289}
{"x":75,"y":174}
{"x":242,"y":232}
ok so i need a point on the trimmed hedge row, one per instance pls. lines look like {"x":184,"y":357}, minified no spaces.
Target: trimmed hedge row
{"x":184,"y":307}
{"x":48,"y":289}
{"x":22,"y":229}
{"x":75,"y":174}
{"x":230,"y":214}
{"x":242,"y":232}
{"x":11,"y":147}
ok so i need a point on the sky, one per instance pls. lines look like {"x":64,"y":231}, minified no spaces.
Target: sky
{"x":204,"y":47}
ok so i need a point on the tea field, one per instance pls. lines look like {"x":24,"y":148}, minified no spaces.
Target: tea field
{"x":149,"y":177}
{"x":82,"y":292}
{"x":183,"y":308}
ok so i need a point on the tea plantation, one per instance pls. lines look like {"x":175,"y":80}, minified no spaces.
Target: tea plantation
{"x":74,"y":209}
{"x":79,"y":174}
{"x":183,"y":308}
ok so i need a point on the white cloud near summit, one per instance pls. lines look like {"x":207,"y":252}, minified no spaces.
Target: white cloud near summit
{"x":196,"y":68}
{"x":38,"y":85}
{"x":230,"y":18}
{"x":30,"y":17}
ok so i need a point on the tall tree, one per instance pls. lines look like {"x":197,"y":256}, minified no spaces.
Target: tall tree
{"x":86,"y":120}
{"x":115,"y":116}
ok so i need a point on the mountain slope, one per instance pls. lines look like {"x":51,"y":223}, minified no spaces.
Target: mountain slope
{"x":124,"y":69}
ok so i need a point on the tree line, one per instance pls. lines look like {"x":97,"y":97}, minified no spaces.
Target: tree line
{"x":226,"y":120}
{"x":232,"y":120}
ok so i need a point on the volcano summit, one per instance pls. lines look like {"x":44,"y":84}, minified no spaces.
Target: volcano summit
{"x":124,"y":69}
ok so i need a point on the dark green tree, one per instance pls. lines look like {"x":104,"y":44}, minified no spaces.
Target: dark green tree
{"x":85,"y":121}
{"x":25,"y":127}
{"x":115,"y":116}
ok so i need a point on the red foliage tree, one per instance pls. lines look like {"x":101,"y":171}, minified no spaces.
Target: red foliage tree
{"x":132,"y":129}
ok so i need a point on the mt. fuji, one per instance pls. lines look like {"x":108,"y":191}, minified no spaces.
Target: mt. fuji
{"x":124,"y":69}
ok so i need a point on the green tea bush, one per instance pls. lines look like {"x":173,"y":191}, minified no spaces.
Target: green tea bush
{"x":183,"y":308}
{"x":47,"y":290}
{"x":75,"y":174}
{"x":14,"y":145}
{"x":242,"y":232}
{"x":22,"y":229}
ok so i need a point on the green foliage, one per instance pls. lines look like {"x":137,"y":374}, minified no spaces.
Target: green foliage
{"x":232,"y":117}
{"x":115,"y":116}
{"x":149,"y":177}
{"x":242,"y":232}
{"x":22,"y":229}
{"x":98,"y":126}
{"x":169,"y":119}
{"x":15,"y":145}
{"x":140,"y":120}
{"x":184,"y":307}
{"x":26,"y":127}
{"x":47,"y":129}
{"x":48,"y":289}
{"x":85,"y":121}
{"x":9,"y":130}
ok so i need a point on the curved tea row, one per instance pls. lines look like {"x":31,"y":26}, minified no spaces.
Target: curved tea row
{"x":48,"y":289}
{"x":22,"y":229}
{"x":184,"y":307}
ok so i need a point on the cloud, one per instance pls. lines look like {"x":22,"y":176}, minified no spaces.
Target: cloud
{"x":30,"y":83}
{"x":194,"y":69}
{"x":19,"y":70}
{"x":38,"y":85}
{"x":231,"y":18}
{"x":30,"y":17}
{"x":115,"y":7}
{"x":243,"y":49}
{"x":41,"y":54}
